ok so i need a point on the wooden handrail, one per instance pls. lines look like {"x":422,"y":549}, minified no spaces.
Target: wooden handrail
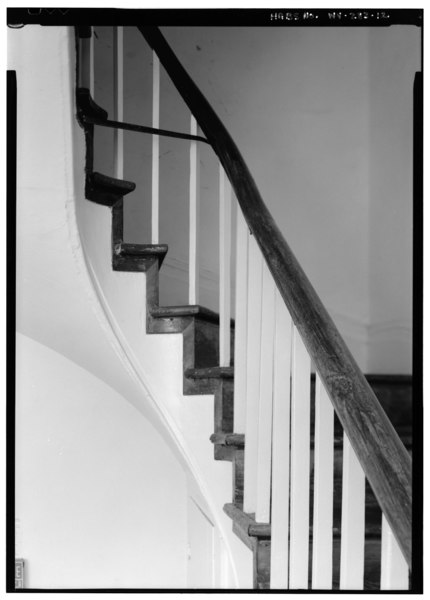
{"x":382,"y":455}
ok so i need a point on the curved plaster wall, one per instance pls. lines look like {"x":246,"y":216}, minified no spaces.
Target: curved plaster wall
{"x":70,"y":300}
{"x":94,"y":483}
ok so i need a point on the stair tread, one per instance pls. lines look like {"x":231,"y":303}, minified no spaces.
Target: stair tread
{"x":137,"y":257}
{"x":236,"y":439}
{"x":106,"y":190}
{"x":246,"y":522}
{"x":111,"y":183}
{"x":87,"y":106}
{"x":210,"y":373}
{"x":140,"y":249}
{"x":228,"y":439}
{"x":253,"y":528}
{"x":192,"y":310}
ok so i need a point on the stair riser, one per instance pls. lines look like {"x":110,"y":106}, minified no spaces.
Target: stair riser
{"x":262,"y":565}
{"x":132,"y":264}
{"x":238,"y":476}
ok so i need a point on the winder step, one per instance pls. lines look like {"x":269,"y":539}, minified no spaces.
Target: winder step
{"x":137,"y":257}
{"x":87,"y":107}
{"x":106,"y":190}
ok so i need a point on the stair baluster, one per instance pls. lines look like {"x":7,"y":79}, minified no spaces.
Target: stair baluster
{"x":240,"y":325}
{"x":281,"y":447}
{"x":86,"y":62}
{"x":300,"y":464}
{"x":264,"y":442}
{"x":353,"y":503}
{"x":322,"y":539}
{"x":255,"y":283}
{"x":193,"y":294}
{"x":118,"y":96}
{"x":394,"y":569}
{"x":155,"y":203}
{"x":224,"y":268}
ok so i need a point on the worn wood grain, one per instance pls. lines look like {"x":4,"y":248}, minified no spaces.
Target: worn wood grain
{"x":379,"y":449}
{"x":238,"y":476}
{"x":228,"y":439}
{"x":246,"y":522}
{"x":262,"y":565}
{"x":136,"y":257}
{"x":211,"y":373}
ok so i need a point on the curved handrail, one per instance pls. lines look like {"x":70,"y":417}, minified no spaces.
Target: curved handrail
{"x":379,"y":449}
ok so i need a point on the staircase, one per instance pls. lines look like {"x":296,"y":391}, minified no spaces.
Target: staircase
{"x":208,"y":338}
{"x":201,"y":375}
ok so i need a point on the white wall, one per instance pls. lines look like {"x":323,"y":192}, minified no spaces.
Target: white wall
{"x":395,"y":58}
{"x":101,"y":501}
{"x":295,"y":102}
{"x":323,"y":119}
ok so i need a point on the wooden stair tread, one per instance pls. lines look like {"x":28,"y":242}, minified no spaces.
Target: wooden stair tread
{"x":210,"y":373}
{"x":111,"y":183}
{"x":134,"y":257}
{"x":141,"y":249}
{"x":87,"y":107}
{"x":228,"y":439}
{"x":192,"y":310}
{"x":238,"y":439}
{"x":246,"y":522}
{"x":106,"y":190}
{"x":252,"y":528}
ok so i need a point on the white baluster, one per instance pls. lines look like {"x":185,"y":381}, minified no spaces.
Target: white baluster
{"x":353,"y":521}
{"x":255,"y":272}
{"x":281,"y":447}
{"x":240,"y":323}
{"x":118,"y":134}
{"x":194,"y":217}
{"x":300,"y":465}
{"x":394,"y":568}
{"x":322,"y":546}
{"x":264,"y":459}
{"x":224,"y":268}
{"x":155,"y":149}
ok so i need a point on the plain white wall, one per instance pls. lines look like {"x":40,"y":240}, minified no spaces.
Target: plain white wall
{"x":395,"y":58}
{"x":100,"y":498}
